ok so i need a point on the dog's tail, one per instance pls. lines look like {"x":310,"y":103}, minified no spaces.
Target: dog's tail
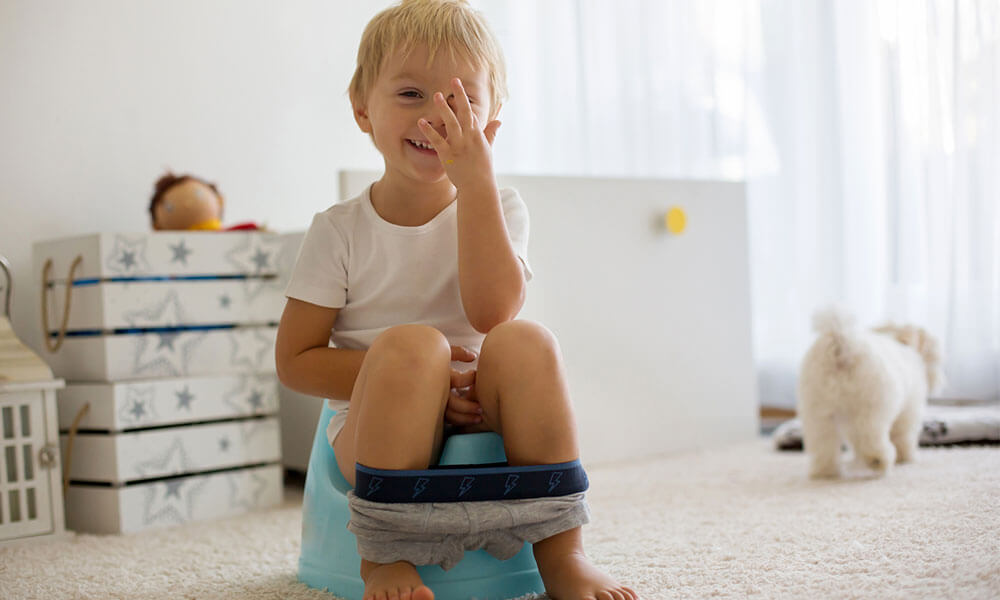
{"x":838,"y":329}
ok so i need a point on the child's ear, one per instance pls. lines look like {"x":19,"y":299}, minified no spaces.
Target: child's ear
{"x":361,"y":117}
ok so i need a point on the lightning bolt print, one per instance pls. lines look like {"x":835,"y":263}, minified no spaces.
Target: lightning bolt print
{"x":373,"y":485}
{"x":465,"y":486}
{"x":511,"y":483}
{"x":554,"y":480}
{"x":420,"y":486}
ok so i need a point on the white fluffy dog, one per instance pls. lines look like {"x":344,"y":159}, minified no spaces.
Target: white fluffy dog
{"x":865,"y":388}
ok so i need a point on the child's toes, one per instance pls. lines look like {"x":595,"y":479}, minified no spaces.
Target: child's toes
{"x":422,"y":593}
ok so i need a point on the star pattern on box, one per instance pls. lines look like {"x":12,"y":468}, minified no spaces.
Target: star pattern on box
{"x":139,"y":406}
{"x":255,"y":256}
{"x":127,"y":256}
{"x":245,"y":489}
{"x":166,"y":313}
{"x":172,"y":502}
{"x":174,"y":460}
{"x":180,"y":252}
{"x":254,"y":395}
{"x":165,"y":353}
{"x":250,"y":349}
{"x":184,"y":398}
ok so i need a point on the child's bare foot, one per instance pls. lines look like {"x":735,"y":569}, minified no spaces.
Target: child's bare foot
{"x":568,"y":574}
{"x":398,"y":581}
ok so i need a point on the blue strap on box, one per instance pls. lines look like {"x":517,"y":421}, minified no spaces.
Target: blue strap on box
{"x":470,"y":483}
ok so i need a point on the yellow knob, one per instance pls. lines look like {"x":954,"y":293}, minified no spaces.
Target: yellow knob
{"x":676,"y":220}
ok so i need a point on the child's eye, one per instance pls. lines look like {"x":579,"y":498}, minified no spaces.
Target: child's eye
{"x":410,"y":94}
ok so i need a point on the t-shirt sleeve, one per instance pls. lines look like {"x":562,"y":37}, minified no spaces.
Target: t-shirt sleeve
{"x":515,"y":213}
{"x":320,"y":273}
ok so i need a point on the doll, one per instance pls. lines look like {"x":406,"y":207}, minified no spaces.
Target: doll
{"x":186,"y":202}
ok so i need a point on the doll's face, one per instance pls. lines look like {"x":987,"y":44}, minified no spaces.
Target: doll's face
{"x":187,"y":205}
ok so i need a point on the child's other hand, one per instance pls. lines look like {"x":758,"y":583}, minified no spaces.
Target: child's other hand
{"x":463,"y":408}
{"x":466,"y":153}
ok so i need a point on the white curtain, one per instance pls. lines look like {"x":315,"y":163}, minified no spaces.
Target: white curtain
{"x":868,"y":133}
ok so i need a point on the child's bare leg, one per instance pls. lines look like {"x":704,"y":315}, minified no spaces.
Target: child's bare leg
{"x":396,"y":421}
{"x":521,"y":386}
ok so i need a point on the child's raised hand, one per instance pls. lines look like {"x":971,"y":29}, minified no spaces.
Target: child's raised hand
{"x":466,"y":152}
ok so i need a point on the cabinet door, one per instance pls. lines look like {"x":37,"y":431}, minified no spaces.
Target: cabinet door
{"x":25,"y":494}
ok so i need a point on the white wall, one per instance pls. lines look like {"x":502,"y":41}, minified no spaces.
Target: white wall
{"x":97,"y":98}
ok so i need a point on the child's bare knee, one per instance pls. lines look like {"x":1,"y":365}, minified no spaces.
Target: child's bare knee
{"x":520,"y":338}
{"x":412,"y":347}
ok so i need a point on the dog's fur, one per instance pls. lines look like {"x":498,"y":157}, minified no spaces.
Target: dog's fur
{"x":865,"y":388}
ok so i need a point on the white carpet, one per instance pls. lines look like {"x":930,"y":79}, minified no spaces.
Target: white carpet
{"x":734,"y":522}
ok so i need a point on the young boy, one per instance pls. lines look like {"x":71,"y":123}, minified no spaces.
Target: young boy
{"x":424,"y":270}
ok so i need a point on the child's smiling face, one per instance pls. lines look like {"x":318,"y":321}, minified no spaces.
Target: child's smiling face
{"x":403,"y":93}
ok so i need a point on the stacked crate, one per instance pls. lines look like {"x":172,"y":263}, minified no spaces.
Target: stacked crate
{"x":166,"y":341}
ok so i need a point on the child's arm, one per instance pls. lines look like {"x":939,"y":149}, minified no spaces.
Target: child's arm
{"x":304,"y":360}
{"x":490,"y":275}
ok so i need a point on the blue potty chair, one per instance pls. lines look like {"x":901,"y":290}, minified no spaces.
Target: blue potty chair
{"x":329,"y":558}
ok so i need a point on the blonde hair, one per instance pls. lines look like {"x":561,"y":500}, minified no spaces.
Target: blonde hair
{"x":451,"y":25}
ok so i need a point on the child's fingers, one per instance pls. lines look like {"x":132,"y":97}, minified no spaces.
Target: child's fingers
{"x":451,"y":124}
{"x":440,"y":144}
{"x":462,"y":353}
{"x":461,"y":411}
{"x":464,"y":108}
{"x":462,"y":379}
{"x":462,"y":404}
{"x":457,"y":418}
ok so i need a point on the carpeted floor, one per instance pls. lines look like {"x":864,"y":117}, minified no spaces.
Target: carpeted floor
{"x":735,"y":522}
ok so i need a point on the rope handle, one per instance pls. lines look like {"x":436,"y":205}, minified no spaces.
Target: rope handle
{"x":9,"y":288}
{"x":49,"y":344}
{"x":68,"y":462}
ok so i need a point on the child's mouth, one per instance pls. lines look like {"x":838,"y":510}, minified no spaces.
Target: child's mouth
{"x":422,"y":146}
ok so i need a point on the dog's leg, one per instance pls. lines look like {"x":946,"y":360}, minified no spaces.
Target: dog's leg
{"x":822,"y":442}
{"x":905,"y":432}
{"x":869,"y":436}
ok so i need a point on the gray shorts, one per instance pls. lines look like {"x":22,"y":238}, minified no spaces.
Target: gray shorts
{"x":439,"y":533}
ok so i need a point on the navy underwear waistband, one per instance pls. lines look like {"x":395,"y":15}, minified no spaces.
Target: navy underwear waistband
{"x":470,"y":483}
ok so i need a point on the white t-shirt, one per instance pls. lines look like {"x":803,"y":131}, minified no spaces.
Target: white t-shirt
{"x":380,"y":275}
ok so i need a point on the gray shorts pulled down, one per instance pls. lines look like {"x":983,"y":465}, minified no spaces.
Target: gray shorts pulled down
{"x":440,"y":533}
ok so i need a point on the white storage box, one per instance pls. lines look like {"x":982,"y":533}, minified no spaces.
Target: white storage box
{"x":131,"y":456}
{"x":140,"y":506}
{"x":168,"y":451}
{"x":167,"y":353}
{"x":164,"y":304}
{"x":121,"y":406}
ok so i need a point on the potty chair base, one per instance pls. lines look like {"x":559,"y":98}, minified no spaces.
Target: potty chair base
{"x":329,"y":558}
